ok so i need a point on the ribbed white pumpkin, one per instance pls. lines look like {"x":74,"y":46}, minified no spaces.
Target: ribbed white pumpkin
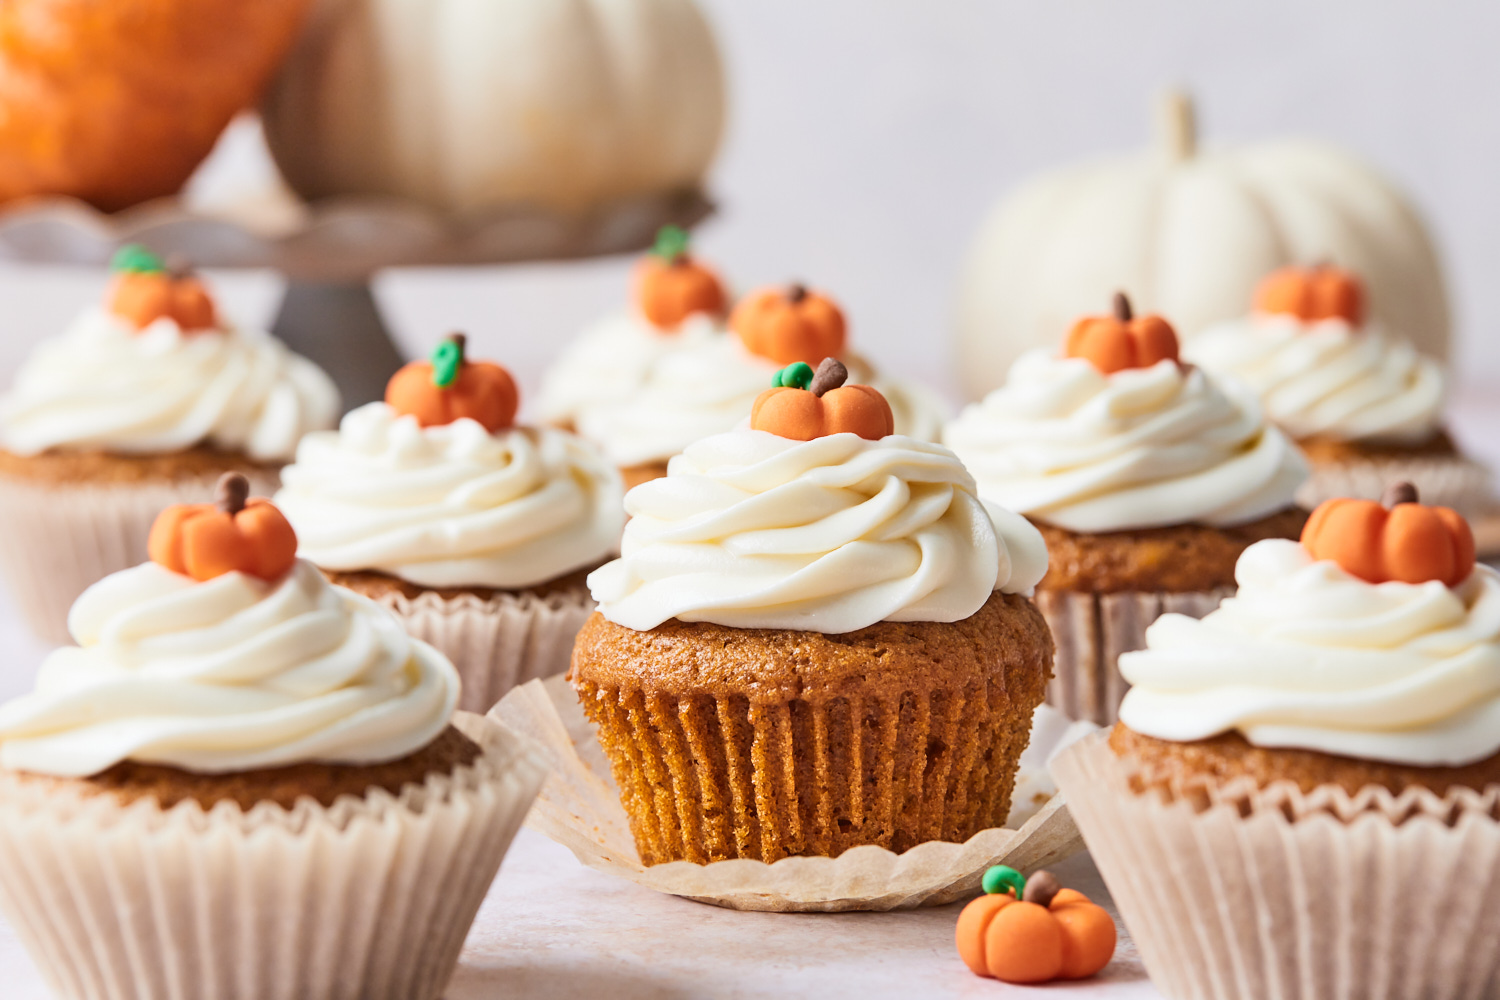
{"x":1188,"y":233}
{"x":470,"y":104}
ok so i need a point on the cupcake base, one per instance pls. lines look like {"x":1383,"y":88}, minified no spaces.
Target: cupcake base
{"x":763,"y":744}
{"x":635,"y":475}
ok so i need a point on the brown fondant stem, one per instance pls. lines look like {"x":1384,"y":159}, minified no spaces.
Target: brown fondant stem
{"x":1123,"y":311}
{"x":231,"y":492}
{"x":1041,"y":888}
{"x":461,"y":341}
{"x":830,"y":375}
{"x":796,"y":292}
{"x":1398,"y":493}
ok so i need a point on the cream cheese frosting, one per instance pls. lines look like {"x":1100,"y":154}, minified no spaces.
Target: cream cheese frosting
{"x":1327,"y":378}
{"x":103,"y":384}
{"x":752,"y":530}
{"x":231,"y":674}
{"x":451,"y":505}
{"x":1064,"y":443}
{"x":1309,"y":656}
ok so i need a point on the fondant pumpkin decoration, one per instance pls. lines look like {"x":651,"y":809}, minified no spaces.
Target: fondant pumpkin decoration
{"x":670,"y":285}
{"x":1122,"y":340}
{"x":117,"y":101}
{"x":789,"y":324}
{"x":449,"y":387}
{"x":1395,"y":539}
{"x":1033,"y":930}
{"x":145,"y":289}
{"x":234,"y":533}
{"x":1313,"y":293}
{"x":804,"y":404}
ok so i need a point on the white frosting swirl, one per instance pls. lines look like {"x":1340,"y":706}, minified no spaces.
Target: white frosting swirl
{"x":1309,"y":656}
{"x":1327,"y":378}
{"x":451,"y":505}
{"x":1064,"y":443}
{"x":751,"y":530}
{"x":103,"y":384}
{"x":232,"y":674}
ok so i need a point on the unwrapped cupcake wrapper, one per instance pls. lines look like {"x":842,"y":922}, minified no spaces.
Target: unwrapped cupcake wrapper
{"x":60,"y":538}
{"x":497,"y":643}
{"x":1092,"y":630}
{"x":368,"y":899}
{"x":1442,"y":481}
{"x":1245,"y":893}
{"x":580,"y":808}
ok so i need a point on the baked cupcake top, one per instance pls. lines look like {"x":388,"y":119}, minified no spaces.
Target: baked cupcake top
{"x":1320,"y":368}
{"x":436,"y":486}
{"x":1376,"y":637}
{"x":1118,"y":435}
{"x":820,"y":520}
{"x":225,"y":653}
{"x":156,"y":370}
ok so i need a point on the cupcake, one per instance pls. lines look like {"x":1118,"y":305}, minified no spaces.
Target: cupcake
{"x":246,"y":782}
{"x":1147,"y":479}
{"x":1303,"y":784}
{"x":476,"y":533}
{"x":1363,"y":405}
{"x":141,"y":403}
{"x":816,"y":637}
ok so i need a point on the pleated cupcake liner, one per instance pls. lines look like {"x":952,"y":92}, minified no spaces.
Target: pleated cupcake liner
{"x":496,"y":643}
{"x":580,"y":807}
{"x":1246,"y":894}
{"x":1443,"y":481}
{"x":367,"y":899}
{"x":1092,"y":630}
{"x":58,"y":539}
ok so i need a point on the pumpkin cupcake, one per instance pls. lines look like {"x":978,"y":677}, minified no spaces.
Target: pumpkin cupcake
{"x":1363,"y":405}
{"x":141,"y":403}
{"x":476,"y":533}
{"x":1147,"y":479}
{"x":246,"y":782}
{"x":1333,"y":731}
{"x":816,"y":637}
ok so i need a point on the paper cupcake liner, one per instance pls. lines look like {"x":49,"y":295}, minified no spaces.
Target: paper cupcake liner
{"x":60,"y":538}
{"x":1092,"y":630}
{"x":367,"y":899}
{"x":1444,"y":481}
{"x":579,"y":807}
{"x":498,"y":643}
{"x":1244,"y":894}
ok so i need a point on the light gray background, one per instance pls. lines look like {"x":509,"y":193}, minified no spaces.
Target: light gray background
{"x":866,"y":140}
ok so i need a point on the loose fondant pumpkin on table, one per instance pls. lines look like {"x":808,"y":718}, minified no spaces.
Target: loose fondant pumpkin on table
{"x":449,"y":387}
{"x":804,"y":404}
{"x":1032,"y":930}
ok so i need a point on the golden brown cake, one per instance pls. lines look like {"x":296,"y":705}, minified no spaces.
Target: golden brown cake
{"x":95,"y":466}
{"x":635,"y":475}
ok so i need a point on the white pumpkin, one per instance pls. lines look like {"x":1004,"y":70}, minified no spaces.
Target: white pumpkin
{"x":472,"y":104}
{"x":1188,"y":233}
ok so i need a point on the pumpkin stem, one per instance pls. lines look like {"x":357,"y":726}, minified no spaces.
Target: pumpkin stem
{"x":231,"y":492}
{"x":1398,"y":493}
{"x":796,"y":292}
{"x":831,"y":374}
{"x":136,"y":259}
{"x":1122,"y":309}
{"x":671,"y":244}
{"x":1001,"y":877}
{"x":178,"y":266}
{"x":1041,"y":888}
{"x":1177,"y":125}
{"x":797,"y":375}
{"x":448,"y":359}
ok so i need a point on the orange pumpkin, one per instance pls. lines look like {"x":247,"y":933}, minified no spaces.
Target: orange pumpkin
{"x":670,"y":285}
{"x":206,"y":540}
{"x":117,"y":102}
{"x":1313,"y":293}
{"x":145,"y":290}
{"x":804,"y":404}
{"x":1042,"y":932}
{"x":789,"y":325}
{"x":449,"y":387}
{"x":1395,"y":539}
{"x":1123,"y":340}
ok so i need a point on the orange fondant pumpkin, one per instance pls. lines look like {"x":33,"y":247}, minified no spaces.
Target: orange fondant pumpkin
{"x":205,"y":540}
{"x":789,"y":325}
{"x":804,"y":404}
{"x":1042,"y":932}
{"x":1123,"y":340}
{"x":670,"y":285}
{"x":117,"y":101}
{"x":449,"y":387}
{"x":1396,"y":539}
{"x":1313,"y":293}
{"x":145,"y":290}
